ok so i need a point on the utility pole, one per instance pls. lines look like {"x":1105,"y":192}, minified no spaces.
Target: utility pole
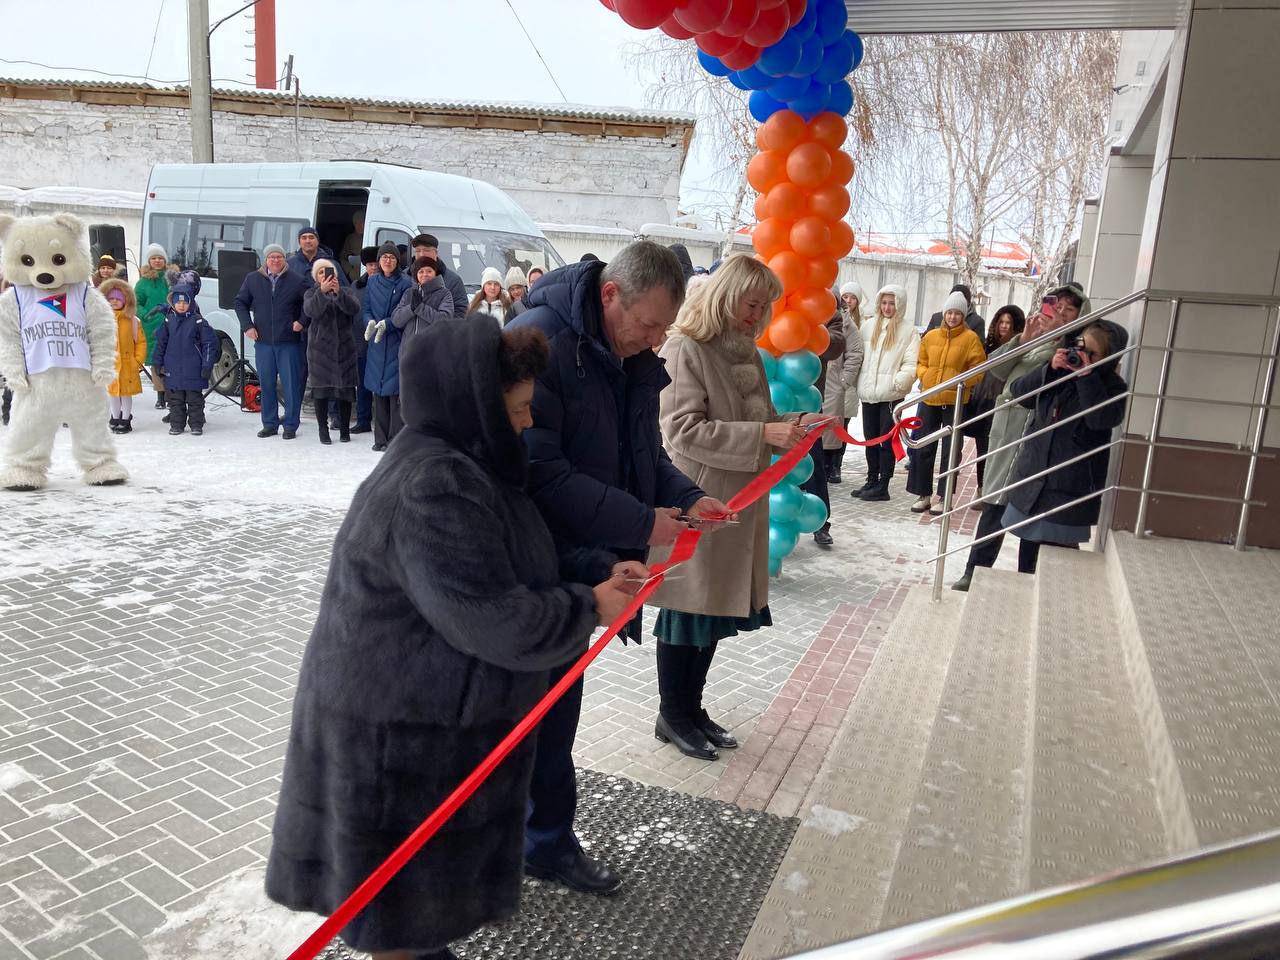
{"x":201,"y":84}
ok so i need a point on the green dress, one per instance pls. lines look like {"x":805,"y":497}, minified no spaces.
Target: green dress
{"x":701,"y":630}
{"x":152,"y":294}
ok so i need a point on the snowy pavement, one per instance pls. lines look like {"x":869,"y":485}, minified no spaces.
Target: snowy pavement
{"x":149,"y":640}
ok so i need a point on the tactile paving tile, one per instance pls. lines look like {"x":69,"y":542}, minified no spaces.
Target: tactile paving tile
{"x":695,"y":871}
{"x":1093,"y":801}
{"x":1208,"y":666}
{"x":832,"y":884}
{"x":964,"y":841}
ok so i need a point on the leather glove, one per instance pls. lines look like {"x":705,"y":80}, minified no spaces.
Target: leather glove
{"x":418,"y":297}
{"x":369,"y":330}
{"x":381,"y":329}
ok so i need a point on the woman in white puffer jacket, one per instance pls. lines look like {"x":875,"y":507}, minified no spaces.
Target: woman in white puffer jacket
{"x":891,"y":346}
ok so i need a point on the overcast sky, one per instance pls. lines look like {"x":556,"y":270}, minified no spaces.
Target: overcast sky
{"x":429,"y":50}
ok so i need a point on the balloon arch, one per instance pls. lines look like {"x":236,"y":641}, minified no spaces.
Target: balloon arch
{"x":794,"y":56}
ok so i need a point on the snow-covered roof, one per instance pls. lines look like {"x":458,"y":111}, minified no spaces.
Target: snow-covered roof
{"x":71,"y":197}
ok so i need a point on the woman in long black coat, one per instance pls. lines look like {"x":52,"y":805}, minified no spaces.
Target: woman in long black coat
{"x":332,"y":357}
{"x":445,"y":606}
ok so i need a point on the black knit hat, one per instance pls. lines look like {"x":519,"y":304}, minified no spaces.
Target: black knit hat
{"x":368,"y":254}
{"x":388,"y":248}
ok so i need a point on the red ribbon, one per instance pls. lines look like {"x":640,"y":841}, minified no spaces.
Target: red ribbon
{"x":682,"y":551}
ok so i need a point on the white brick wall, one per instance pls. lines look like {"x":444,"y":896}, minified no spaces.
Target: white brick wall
{"x":556,"y":177}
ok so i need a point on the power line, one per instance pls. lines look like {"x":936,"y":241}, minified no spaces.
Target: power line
{"x":545,"y":65}
{"x":108,"y":73}
{"x":154,"y":33}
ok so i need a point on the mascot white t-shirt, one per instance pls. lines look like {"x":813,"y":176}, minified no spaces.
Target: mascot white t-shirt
{"x":54,"y":331}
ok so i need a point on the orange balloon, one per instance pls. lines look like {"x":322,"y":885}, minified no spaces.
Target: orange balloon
{"x":788,"y":202}
{"x":810,"y":237}
{"x":766,"y":343}
{"x":782,"y":131}
{"x":828,"y":129}
{"x":818,"y":340}
{"x":823,"y":272}
{"x":808,"y":164}
{"x":767,"y":169}
{"x":771,"y":237}
{"x":791,"y":268}
{"x":841,"y":239}
{"x":841,"y":171}
{"x":829,"y":203}
{"x":790,"y":331}
{"x":762,"y":207}
{"x":816,"y":303}
{"x":762,"y":139}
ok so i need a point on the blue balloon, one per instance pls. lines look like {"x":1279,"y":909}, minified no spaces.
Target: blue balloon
{"x":804,"y":28}
{"x":781,"y":58}
{"x":785,"y":502}
{"x":713,"y":65}
{"x":763,"y":106}
{"x":798,"y":369}
{"x":788,"y":88}
{"x":837,"y":61}
{"x":784,"y":401}
{"x":813,"y":513}
{"x":782,"y":540}
{"x":833,"y":18}
{"x":841,"y":100}
{"x":857,"y":48}
{"x":736,"y":79}
{"x":808,"y":400}
{"x":810,"y":58}
{"x":798,"y":474}
{"x":770,"y":363}
{"x":813,"y":101}
{"x":755,"y":79}
{"x":775,"y":567}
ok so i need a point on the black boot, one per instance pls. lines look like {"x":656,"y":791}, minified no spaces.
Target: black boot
{"x":344,"y":421}
{"x":126,"y":424}
{"x":716,"y":734}
{"x":872,"y":480}
{"x":115,"y":424}
{"x":822,"y":536}
{"x":677,"y":722}
{"x":322,"y":421}
{"x":160,"y":401}
{"x":6,"y":405}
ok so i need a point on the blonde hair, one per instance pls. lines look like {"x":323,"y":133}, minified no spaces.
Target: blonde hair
{"x":884,"y":331}
{"x":710,"y":310}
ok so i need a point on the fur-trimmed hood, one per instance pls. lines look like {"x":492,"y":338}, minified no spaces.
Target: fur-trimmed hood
{"x":130,"y":300}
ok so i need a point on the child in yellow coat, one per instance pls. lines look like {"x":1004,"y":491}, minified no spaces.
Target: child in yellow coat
{"x":131,"y":353}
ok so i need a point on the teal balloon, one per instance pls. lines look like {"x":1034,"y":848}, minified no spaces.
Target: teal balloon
{"x":799,"y":369}
{"x":784,"y":401}
{"x":808,"y":400}
{"x":775,"y":567}
{"x":785,"y":502}
{"x":783,"y":538}
{"x":813,"y":513}
{"x":798,"y":474}
{"x":770,"y":363}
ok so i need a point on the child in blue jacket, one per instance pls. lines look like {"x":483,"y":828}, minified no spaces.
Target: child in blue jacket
{"x":186,"y":348}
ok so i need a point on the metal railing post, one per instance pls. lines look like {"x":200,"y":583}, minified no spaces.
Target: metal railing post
{"x":1259,"y":434}
{"x":1157,"y":412}
{"x":944,"y":528}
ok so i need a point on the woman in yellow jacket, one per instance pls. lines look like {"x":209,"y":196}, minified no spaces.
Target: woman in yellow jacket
{"x":131,"y":353}
{"x":945,"y":352}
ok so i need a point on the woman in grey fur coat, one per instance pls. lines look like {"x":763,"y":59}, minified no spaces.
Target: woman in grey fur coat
{"x":445,"y":606}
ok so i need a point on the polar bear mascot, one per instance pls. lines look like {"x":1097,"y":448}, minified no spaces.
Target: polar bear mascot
{"x":57,"y":351}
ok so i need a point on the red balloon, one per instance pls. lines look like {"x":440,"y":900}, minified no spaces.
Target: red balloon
{"x":741,"y":18}
{"x":671,"y":27}
{"x":810,"y":237}
{"x":789,"y":331}
{"x":841,"y":171}
{"x":644,"y":14}
{"x":703,"y":16}
{"x":841,"y":241}
{"x":783,"y":131}
{"x":818,"y":341}
{"x":823,"y":272}
{"x":790,"y":268}
{"x":766,"y":170}
{"x":788,"y":202}
{"x":771,"y":237}
{"x":742,"y":56}
{"x":715,"y":44}
{"x":808,"y":164}
{"x":829,"y":129}
{"x":795,"y":9}
{"x":769,"y":27}
{"x":830,"y":202}
{"x":770,"y":4}
{"x":818,"y":304}
{"x":608,"y":5}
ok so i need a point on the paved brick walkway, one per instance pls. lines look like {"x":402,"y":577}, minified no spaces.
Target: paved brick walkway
{"x":146,"y":674}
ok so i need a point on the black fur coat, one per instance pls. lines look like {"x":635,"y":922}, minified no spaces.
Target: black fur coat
{"x":443,"y":611}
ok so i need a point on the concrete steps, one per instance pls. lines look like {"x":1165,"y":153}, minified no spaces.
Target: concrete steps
{"x":1038,"y":730}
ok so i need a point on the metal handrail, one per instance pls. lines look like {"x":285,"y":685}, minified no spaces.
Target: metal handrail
{"x":1223,"y":902}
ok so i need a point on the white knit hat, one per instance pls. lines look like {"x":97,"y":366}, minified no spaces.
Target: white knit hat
{"x":490,"y":273}
{"x":854,"y":288}
{"x":271,"y":248}
{"x":516,"y":278}
{"x":155,"y":250}
{"x":956,"y":301}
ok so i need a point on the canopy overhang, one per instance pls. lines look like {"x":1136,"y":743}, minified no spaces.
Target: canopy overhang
{"x":870,"y":17}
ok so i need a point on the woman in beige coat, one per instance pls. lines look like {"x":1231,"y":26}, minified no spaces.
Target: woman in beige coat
{"x":720,"y":429}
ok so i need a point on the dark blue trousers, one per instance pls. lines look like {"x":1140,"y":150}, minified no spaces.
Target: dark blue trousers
{"x":553,"y":792}
{"x":364,"y":399}
{"x":285,"y":361}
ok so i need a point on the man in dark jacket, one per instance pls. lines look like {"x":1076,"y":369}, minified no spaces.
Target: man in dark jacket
{"x":364,"y":399}
{"x":309,"y":250}
{"x":973,"y":320}
{"x":269,"y":306}
{"x":425,"y":245}
{"x":599,"y":475}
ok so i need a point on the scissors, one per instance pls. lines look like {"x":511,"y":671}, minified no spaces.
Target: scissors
{"x":702,"y":521}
